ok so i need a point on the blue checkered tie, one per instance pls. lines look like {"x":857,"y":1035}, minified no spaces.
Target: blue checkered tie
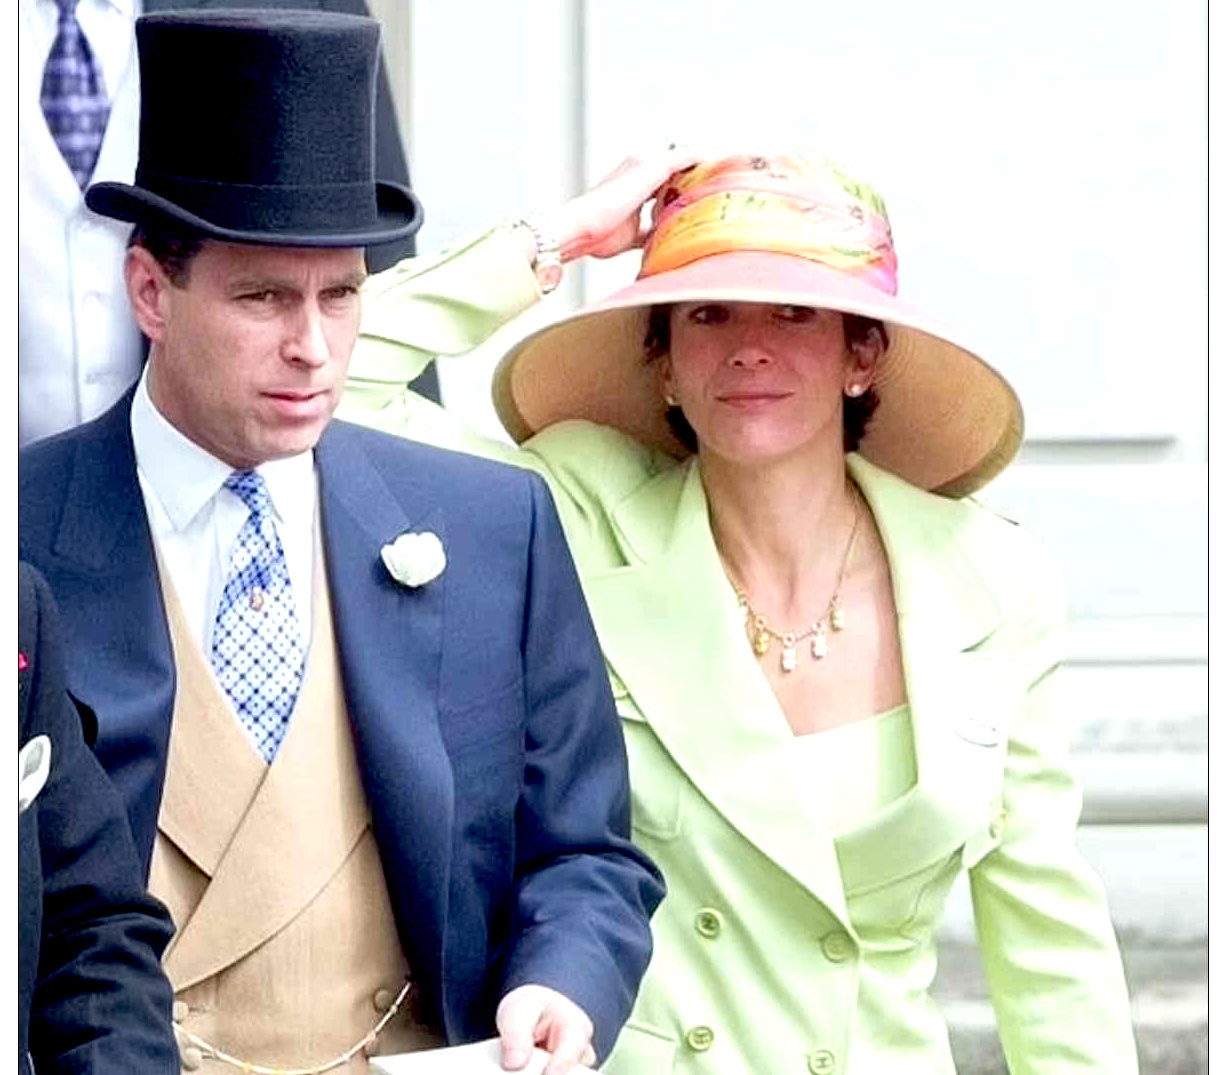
{"x":257,"y":649}
{"x":72,"y":97}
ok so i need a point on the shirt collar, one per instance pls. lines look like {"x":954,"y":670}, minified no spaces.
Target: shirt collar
{"x":185,"y":478}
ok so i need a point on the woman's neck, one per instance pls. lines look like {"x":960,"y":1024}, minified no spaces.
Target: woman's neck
{"x":782,"y":529}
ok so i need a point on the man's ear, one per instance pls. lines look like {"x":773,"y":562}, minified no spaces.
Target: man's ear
{"x":147,"y":287}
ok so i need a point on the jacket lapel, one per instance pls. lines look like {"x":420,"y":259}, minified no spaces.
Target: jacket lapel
{"x":121,"y":663}
{"x":707,"y":702}
{"x":388,"y":638}
{"x":960,"y":697}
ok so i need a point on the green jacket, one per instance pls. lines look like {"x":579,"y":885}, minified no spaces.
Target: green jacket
{"x":779,"y":948}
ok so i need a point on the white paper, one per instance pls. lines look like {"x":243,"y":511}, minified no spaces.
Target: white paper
{"x":482,"y":1058}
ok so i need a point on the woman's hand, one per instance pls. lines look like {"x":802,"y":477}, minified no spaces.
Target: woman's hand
{"x":606,"y":220}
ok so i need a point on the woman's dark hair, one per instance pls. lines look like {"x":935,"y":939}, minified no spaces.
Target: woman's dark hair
{"x":857,"y":409}
{"x":173,"y":250}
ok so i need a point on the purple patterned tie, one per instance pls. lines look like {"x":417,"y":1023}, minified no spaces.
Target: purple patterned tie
{"x":257,"y":651}
{"x":73,"y":98}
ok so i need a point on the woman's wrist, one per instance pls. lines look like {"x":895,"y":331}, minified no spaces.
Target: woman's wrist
{"x":542,"y":251}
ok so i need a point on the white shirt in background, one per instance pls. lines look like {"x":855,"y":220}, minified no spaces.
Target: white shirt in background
{"x":78,"y":347}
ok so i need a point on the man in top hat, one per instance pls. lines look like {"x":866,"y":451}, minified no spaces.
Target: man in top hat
{"x":78,"y":107}
{"x":346,"y":685}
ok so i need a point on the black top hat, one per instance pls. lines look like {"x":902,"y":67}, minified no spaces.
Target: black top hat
{"x":258,"y":127}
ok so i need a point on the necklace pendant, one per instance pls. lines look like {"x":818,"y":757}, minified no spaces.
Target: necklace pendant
{"x":760,"y":641}
{"x":789,"y":656}
{"x":836,"y":614}
{"x":819,"y":644}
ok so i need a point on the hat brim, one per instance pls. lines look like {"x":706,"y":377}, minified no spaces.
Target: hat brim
{"x":399,"y":216}
{"x":946,"y":420}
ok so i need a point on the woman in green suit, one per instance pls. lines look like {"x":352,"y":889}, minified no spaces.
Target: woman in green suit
{"x":835,"y":671}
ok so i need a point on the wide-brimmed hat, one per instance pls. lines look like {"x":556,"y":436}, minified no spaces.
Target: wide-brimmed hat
{"x":258,"y":127}
{"x":775,"y":229}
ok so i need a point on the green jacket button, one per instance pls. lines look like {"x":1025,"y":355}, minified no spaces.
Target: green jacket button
{"x":708,"y":923}
{"x":699,"y":1038}
{"x":837,"y":946}
{"x":822,"y":1062}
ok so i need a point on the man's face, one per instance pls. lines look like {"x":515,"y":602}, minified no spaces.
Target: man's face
{"x":250,"y":352}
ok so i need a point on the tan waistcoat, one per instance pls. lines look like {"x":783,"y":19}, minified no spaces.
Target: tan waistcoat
{"x":286,"y":953}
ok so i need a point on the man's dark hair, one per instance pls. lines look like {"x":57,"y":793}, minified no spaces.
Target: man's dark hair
{"x":173,"y":249}
{"x":857,"y":409}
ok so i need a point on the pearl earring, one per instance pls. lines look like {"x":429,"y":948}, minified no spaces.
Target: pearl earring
{"x":670,"y":400}
{"x":854,"y":390}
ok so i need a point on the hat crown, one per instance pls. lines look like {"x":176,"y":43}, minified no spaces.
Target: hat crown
{"x":781,"y":204}
{"x":257,"y":126}
{"x":265,"y":98}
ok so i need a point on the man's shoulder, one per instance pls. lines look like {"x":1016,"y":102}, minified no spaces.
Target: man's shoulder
{"x":108,"y":431}
{"x":447,"y":471}
{"x":93,"y":461}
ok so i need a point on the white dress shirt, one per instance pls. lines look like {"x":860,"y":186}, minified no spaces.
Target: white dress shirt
{"x":78,"y":347}
{"x":195,"y":520}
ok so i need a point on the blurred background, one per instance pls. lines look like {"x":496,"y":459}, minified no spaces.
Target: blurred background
{"x":1044,"y":166}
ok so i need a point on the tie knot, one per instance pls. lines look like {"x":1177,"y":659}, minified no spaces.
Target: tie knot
{"x":66,"y":7}
{"x":248,"y":486}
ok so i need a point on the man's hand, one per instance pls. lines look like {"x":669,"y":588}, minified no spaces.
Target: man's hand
{"x":534,"y":1015}
{"x":606,"y":220}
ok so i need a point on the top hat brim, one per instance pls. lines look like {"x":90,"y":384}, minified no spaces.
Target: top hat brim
{"x":399,"y":215}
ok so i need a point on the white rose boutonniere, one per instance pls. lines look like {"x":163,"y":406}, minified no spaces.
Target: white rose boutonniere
{"x":414,"y":559}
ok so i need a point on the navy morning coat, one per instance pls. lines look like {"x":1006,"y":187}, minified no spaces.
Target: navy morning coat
{"x":485,"y":730}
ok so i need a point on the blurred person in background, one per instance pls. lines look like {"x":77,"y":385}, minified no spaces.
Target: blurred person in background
{"x":835,"y":670}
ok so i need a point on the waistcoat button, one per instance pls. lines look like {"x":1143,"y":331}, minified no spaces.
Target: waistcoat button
{"x":699,"y":1038}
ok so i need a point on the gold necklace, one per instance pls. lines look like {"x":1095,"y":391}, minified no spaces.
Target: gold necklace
{"x":832,"y":619}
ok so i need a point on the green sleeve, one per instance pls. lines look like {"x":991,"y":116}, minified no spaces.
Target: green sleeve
{"x":443,"y":304}
{"x":1049,"y":951}
{"x":448,"y":304}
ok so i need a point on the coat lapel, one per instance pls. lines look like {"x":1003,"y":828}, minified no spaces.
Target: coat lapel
{"x":960,"y":697}
{"x":389,"y":639}
{"x":121,"y":662}
{"x":707,"y":701}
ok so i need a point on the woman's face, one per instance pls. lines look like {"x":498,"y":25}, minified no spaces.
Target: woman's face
{"x":757,"y":381}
